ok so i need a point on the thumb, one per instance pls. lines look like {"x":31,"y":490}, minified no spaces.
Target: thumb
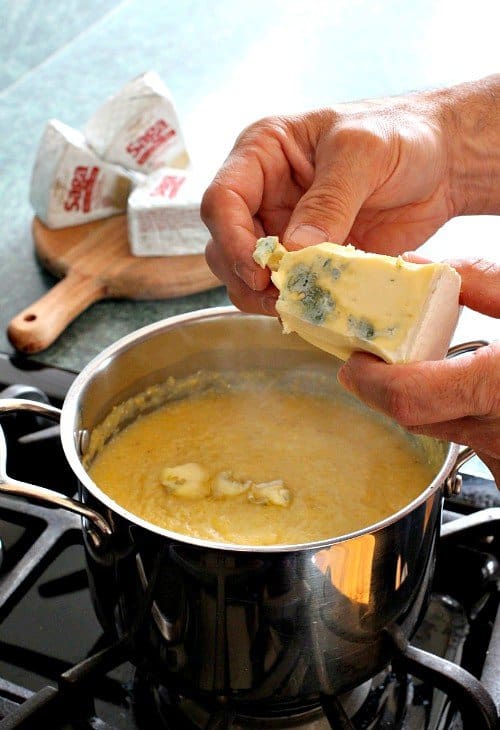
{"x":326,"y":212}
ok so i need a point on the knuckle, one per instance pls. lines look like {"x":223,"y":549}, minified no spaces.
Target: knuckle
{"x":217,"y":197}
{"x":477,"y":264}
{"x":209,"y":202}
{"x":360,"y":138}
{"x":211,"y":257}
{"x":268,"y":127}
{"x":329,"y":200}
{"x":486,"y":267}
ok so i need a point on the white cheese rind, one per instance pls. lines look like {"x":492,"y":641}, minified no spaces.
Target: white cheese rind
{"x":70,"y":184}
{"x":342,"y":300}
{"x":139,"y":127}
{"x":163,"y":215}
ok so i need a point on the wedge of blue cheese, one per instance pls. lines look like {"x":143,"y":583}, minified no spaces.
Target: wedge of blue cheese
{"x":342,"y":300}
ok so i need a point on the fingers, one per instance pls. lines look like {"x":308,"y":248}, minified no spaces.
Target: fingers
{"x":483,"y":434}
{"x":261,"y":180}
{"x":423,"y":393}
{"x":457,"y":399}
{"x":480,"y":285}
{"x":226,"y":214}
{"x":493,"y":465}
{"x":265,"y":303}
{"x":480,"y":288}
{"x":258,"y":302}
{"x":454,"y":400}
{"x":346,"y":163}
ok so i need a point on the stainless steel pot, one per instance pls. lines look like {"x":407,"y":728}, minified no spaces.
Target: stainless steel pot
{"x":275,"y":624}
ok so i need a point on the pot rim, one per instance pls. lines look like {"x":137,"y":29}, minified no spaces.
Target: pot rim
{"x":69,"y":414}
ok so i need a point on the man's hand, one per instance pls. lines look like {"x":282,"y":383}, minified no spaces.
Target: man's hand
{"x":457,"y":399}
{"x":370,"y":173}
{"x":383,"y":175}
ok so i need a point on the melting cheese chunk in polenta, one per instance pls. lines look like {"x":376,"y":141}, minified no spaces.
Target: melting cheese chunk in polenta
{"x":225,"y":485}
{"x":273,"y":492}
{"x":187,"y":480}
{"x":192,"y":481}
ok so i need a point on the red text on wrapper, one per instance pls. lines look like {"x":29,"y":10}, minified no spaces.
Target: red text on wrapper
{"x":156,"y":136}
{"x":168,"y":187}
{"x":82,"y":184}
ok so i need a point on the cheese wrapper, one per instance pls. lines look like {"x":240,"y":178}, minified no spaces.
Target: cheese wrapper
{"x":164,"y":215}
{"x":139,"y":127}
{"x":70,"y":184}
{"x":341,"y":300}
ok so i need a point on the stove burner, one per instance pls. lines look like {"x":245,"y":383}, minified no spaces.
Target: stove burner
{"x":81,"y":679}
{"x":58,"y":530}
{"x":176,"y":712}
{"x":413,"y":694}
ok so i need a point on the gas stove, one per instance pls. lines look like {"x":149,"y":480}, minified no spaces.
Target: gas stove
{"x":59,"y":670}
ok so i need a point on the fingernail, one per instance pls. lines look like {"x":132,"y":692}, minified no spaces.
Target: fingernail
{"x":414,"y":258}
{"x":408,"y":256}
{"x":307,"y":235}
{"x":246,"y":273}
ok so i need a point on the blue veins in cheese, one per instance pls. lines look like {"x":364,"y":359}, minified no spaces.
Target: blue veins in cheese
{"x":315,"y":301}
{"x":341,"y":299}
{"x":269,"y":252}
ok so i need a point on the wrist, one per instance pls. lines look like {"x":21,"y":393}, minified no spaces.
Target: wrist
{"x":470,"y":119}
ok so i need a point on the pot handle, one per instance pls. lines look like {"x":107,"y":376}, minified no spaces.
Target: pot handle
{"x":453,"y":483}
{"x":100,"y":531}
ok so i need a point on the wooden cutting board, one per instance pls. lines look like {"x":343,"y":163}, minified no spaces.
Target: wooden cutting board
{"x":94,"y":262}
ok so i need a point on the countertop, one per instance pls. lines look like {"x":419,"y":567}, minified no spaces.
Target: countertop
{"x":226,"y":64}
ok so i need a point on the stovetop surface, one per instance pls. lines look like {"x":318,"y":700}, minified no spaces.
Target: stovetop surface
{"x":48,"y":624}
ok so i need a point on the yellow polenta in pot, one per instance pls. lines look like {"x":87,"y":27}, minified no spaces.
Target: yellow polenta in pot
{"x":255,"y":458}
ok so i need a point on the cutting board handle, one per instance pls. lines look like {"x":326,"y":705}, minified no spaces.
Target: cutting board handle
{"x":37,"y":326}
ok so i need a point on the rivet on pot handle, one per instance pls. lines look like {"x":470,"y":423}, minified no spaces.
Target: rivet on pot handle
{"x":101,"y":530}
{"x":453,"y":483}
